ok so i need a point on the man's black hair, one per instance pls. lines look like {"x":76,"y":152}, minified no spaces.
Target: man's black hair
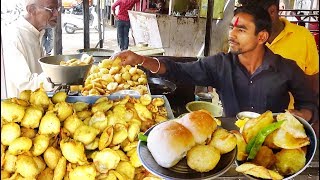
{"x":263,"y":3}
{"x":260,"y":16}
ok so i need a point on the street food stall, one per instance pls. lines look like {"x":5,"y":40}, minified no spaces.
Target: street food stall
{"x":100,"y":130}
{"x":101,"y":135}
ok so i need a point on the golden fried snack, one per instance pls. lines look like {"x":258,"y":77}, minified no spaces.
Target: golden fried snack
{"x":32,"y":117}
{"x":203,"y":158}
{"x":11,"y":112}
{"x":51,"y":157}
{"x":145,"y":99}
{"x":40,"y":98}
{"x":5,"y":174}
{"x":93,"y":145}
{"x":60,"y":96}
{"x":269,"y":141}
{"x":241,"y":146}
{"x":134,"y":158}
{"x":3,"y":149}
{"x":123,"y":156}
{"x":258,"y":171}
{"x":265,"y":157}
{"x":9,"y":132}
{"x":9,"y":164}
{"x":40,"y":144}
{"x":82,"y":115}
{"x":292,"y":125}
{"x":60,"y":169}
{"x":87,"y":172}
{"x":105,"y":160}
{"x":40,"y":163}
{"x":80,"y":106}
{"x":72,"y":123}
{"x":283,"y":139}
{"x":120,"y":134}
{"x":143,"y":112}
{"x":25,"y":95}
{"x":77,"y":62}
{"x":20,"y":145}
{"x":290,"y":161}
{"x":63,"y":110}
{"x":27,"y":132}
{"x":46,"y":174}
{"x":125,"y":169}
{"x":133,"y":132}
{"x":106,"y":137}
{"x":26,"y":166}
{"x":85,"y":134}
{"x":253,"y":126}
{"x":223,"y":140}
{"x":98,"y":121}
{"x":102,"y":106}
{"x":73,"y":151}
{"x":50,"y":124}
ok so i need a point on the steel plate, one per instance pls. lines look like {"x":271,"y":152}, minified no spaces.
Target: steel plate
{"x":182,"y":170}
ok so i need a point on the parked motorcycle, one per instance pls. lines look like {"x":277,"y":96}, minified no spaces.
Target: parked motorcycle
{"x":73,"y":20}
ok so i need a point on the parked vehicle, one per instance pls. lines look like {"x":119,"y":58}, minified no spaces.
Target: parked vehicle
{"x":74,"y":20}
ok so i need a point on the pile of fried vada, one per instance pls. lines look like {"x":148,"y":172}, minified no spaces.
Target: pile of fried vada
{"x":49,"y":138}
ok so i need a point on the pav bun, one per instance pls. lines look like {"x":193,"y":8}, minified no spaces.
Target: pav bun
{"x":200,"y":123}
{"x":169,"y":142}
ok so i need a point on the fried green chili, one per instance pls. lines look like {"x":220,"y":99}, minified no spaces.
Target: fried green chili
{"x":261,"y":136}
{"x":142,"y":137}
{"x":250,"y":144}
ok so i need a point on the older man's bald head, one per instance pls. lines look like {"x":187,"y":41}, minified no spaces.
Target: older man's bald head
{"x":29,"y":2}
{"x":42,"y":13}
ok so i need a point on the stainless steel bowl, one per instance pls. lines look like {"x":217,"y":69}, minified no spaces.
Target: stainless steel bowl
{"x":311,"y":149}
{"x":247,"y":114}
{"x":215,"y":110}
{"x":71,"y":75}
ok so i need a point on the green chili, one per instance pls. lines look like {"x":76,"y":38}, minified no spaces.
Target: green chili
{"x":261,"y":136}
{"x":250,"y":144}
{"x":142,"y":137}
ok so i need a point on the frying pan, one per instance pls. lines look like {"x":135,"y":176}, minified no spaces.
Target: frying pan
{"x":161,"y":86}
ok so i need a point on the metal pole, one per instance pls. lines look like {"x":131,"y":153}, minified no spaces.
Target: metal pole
{"x":207,"y":38}
{"x":86,"y":28}
{"x":57,"y":35}
{"x":99,"y":23}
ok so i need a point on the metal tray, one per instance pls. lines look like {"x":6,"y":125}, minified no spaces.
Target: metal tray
{"x":93,"y":99}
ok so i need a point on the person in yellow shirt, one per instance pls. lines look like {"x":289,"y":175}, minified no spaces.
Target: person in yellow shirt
{"x":291,"y":41}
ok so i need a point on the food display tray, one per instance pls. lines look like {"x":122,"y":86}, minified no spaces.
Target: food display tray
{"x":93,"y":99}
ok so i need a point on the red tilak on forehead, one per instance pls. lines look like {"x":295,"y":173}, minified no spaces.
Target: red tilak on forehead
{"x":236,"y":22}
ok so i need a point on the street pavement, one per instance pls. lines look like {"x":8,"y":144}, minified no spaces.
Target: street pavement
{"x":72,"y":42}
